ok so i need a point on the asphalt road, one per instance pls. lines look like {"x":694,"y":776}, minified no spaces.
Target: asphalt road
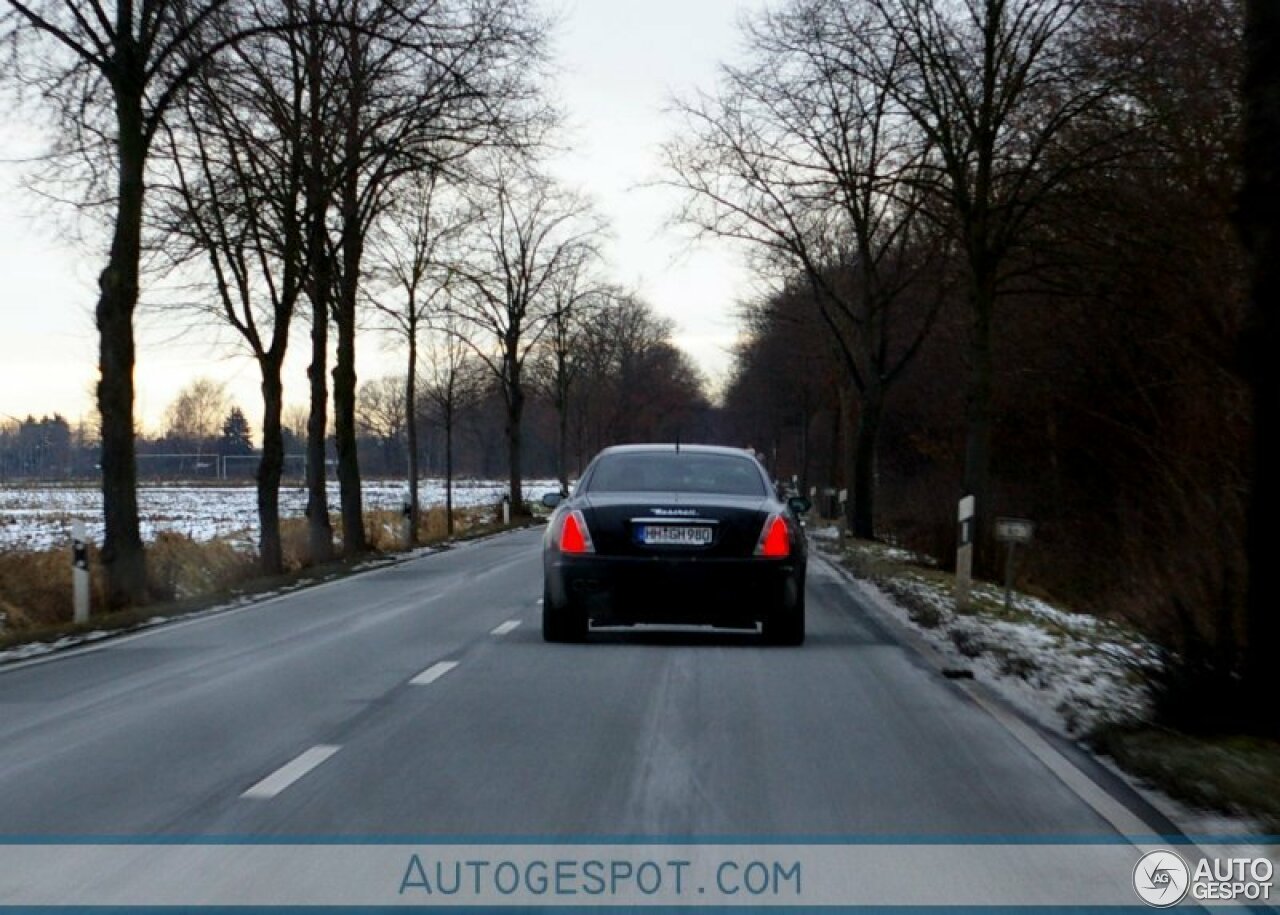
{"x":420,"y":700}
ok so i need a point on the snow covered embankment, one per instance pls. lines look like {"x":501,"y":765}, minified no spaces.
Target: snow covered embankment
{"x":1070,"y":671}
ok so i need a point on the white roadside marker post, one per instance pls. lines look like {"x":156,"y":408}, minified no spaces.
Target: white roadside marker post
{"x":406,"y":512}
{"x":964,"y":553}
{"x":79,"y":572}
{"x":506,"y":510}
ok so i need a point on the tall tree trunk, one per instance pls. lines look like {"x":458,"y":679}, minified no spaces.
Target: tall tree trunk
{"x":354,"y":541}
{"x":411,"y":423}
{"x":805,"y":418}
{"x":861,"y":510}
{"x":1259,"y":221}
{"x":271,"y":467}
{"x":562,"y":441}
{"x":319,"y":530}
{"x":977,"y":455}
{"x":515,"y":414}
{"x":448,"y":468}
{"x":839,"y":419}
{"x":122,"y":552}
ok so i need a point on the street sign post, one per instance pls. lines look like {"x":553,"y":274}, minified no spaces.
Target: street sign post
{"x":1012,"y":531}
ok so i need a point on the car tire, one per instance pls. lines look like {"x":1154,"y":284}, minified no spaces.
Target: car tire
{"x":561,"y":623}
{"x":785,"y":625}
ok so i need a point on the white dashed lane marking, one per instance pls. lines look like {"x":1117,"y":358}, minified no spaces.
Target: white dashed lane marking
{"x":433,"y":673}
{"x":290,"y":772}
{"x":505,"y":627}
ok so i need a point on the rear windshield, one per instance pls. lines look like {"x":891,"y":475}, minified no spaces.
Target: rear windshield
{"x":655,"y":471}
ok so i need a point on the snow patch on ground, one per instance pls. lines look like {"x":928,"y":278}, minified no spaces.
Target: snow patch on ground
{"x":39,"y":518}
{"x":1069,"y":671}
{"x":1089,"y":672}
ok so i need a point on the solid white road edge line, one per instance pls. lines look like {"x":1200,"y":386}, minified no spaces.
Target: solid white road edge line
{"x":506,"y":627}
{"x":433,"y":673}
{"x":1122,"y":819}
{"x":214,"y":613}
{"x":290,"y":772}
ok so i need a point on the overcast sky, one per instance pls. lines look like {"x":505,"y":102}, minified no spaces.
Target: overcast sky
{"x":619,"y":60}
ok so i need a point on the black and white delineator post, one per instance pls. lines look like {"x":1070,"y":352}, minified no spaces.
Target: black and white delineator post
{"x":406,"y":516}
{"x":79,"y":572}
{"x":964,"y":553}
{"x":506,"y":509}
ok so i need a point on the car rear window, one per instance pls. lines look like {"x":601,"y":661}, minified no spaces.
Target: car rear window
{"x":656,"y":471}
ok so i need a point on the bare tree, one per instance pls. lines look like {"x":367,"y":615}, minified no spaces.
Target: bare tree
{"x":575,"y":298}
{"x":998,"y":90}
{"x":804,"y":156}
{"x":422,"y":85}
{"x":238,"y":157}
{"x":529,"y":235}
{"x":455,"y":382}
{"x":318,"y":188}
{"x":114,"y":76}
{"x":380,"y":412}
{"x":415,"y":245}
{"x":634,"y":384}
{"x":197,"y":412}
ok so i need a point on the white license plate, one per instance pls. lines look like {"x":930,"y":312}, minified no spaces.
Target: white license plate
{"x":675,"y":535}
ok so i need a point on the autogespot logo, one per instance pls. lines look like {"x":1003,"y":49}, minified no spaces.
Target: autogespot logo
{"x":1161,"y":878}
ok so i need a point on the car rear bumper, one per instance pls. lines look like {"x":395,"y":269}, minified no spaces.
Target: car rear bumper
{"x":702,"y":591}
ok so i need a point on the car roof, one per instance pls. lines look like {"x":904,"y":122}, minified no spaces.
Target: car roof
{"x":671,"y":447}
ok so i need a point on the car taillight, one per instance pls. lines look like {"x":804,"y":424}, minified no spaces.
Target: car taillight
{"x":775,"y":539}
{"x":574,"y":536}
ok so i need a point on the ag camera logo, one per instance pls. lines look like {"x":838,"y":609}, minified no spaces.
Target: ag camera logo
{"x":1161,"y":878}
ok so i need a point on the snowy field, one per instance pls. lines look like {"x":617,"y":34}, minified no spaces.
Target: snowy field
{"x":40,"y":518}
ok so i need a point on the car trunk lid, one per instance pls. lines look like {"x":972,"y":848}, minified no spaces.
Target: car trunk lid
{"x":616,"y":519}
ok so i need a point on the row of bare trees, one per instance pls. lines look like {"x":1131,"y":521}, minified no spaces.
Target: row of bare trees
{"x":325,"y":166}
{"x":599,"y":369}
{"x":1005,"y":239}
{"x":886,"y":152}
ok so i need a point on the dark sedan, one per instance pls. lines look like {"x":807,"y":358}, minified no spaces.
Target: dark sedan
{"x":674,"y":534}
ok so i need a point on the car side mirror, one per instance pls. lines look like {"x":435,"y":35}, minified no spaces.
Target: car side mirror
{"x":552,"y":499}
{"x":799,"y":505}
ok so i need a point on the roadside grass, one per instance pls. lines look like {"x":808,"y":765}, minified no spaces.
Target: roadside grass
{"x":1095,"y":676}
{"x":187,"y":575}
{"x":1232,"y":774}
{"x":928,"y":594}
{"x":35,"y":588}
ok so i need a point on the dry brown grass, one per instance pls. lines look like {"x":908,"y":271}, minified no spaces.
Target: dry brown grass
{"x":385,"y":529}
{"x":35,"y":587}
{"x":180,"y":567}
{"x":293,"y":543}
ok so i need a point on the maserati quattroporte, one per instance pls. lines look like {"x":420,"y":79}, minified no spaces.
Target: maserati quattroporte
{"x":676,"y":535}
